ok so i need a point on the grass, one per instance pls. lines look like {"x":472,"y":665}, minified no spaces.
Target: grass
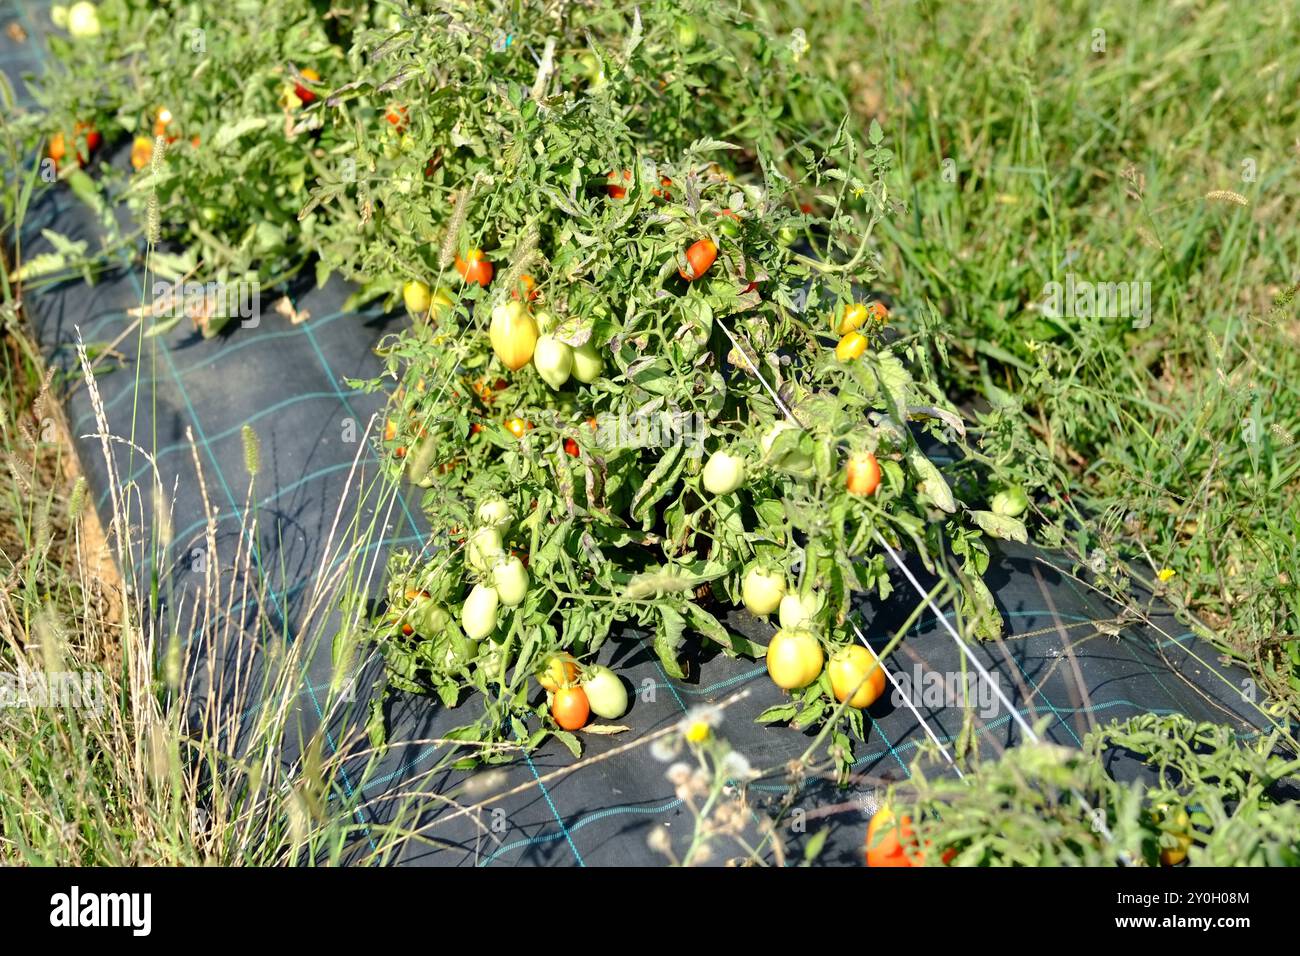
{"x":1030,"y":147}
{"x":1159,"y":151}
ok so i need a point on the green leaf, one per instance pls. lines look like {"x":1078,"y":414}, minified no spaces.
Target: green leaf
{"x":1001,"y":526}
{"x":779,"y":713}
{"x":668,"y":640}
{"x":570,"y":741}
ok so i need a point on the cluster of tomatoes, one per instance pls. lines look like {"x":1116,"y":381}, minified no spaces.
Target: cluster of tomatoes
{"x":576,"y":692}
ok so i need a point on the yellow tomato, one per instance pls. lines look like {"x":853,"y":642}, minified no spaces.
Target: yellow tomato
{"x":856,"y":677}
{"x":513,"y":334}
{"x":851,"y":347}
{"x":561,"y":669}
{"x":794,"y":658}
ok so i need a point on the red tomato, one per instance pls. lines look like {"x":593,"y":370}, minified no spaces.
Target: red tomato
{"x":474,"y":267}
{"x":396,"y":116}
{"x":615,"y":190}
{"x":700,"y":257}
{"x":571,"y":448}
{"x":304,"y":94}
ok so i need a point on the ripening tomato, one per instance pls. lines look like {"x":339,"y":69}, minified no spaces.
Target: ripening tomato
{"x":141,"y":152}
{"x":162,"y":119}
{"x":886,"y":839}
{"x":570,"y":708}
{"x":511,"y":581}
{"x":478,"y":616}
{"x":762,"y":590}
{"x":517,"y":427}
{"x":513,"y":333}
{"x":794,"y":658}
{"x":852,"y":317}
{"x":474,"y":267}
{"x":390,"y":430}
{"x":553,"y":360}
{"x":617,"y":184}
{"x":862,"y":474}
{"x":795,"y":611}
{"x":728,"y":224}
{"x":1176,"y":829}
{"x":587,"y":363}
{"x":528,"y":287}
{"x":571,"y":448}
{"x":559,"y":671}
{"x":397,"y":116}
{"x":851,"y":347}
{"x":723,"y":473}
{"x":700,"y":256}
{"x":605,"y":693}
{"x":856,"y":677}
{"x":304,"y":94}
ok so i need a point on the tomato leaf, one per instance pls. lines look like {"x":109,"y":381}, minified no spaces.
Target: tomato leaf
{"x":668,"y":640}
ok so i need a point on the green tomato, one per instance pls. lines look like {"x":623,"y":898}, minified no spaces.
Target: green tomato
{"x":1010,"y":502}
{"x":587,"y":363}
{"x":494,"y":513}
{"x":605,"y":692}
{"x":478,"y":616}
{"x":511,"y":580}
{"x":553,"y":360}
{"x":787,"y":236}
{"x":796,"y":611}
{"x":762,"y":590}
{"x":428,"y":617}
{"x":484,"y":549}
{"x":687,"y":31}
{"x":723,"y":473}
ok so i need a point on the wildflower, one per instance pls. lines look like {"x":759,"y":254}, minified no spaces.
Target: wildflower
{"x":1164,"y":574}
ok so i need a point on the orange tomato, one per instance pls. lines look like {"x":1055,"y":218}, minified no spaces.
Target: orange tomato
{"x":862,"y":474}
{"x":517,"y":427}
{"x":699,"y":258}
{"x":891,"y":843}
{"x":570,"y":707}
{"x":396,"y":116}
{"x":161,"y":120}
{"x":390,"y":430}
{"x":856,"y":677}
{"x":474,"y":267}
{"x":527,"y":286}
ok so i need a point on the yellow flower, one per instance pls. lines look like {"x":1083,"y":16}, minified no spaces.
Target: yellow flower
{"x":697,"y":732}
{"x":1164,"y":574}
